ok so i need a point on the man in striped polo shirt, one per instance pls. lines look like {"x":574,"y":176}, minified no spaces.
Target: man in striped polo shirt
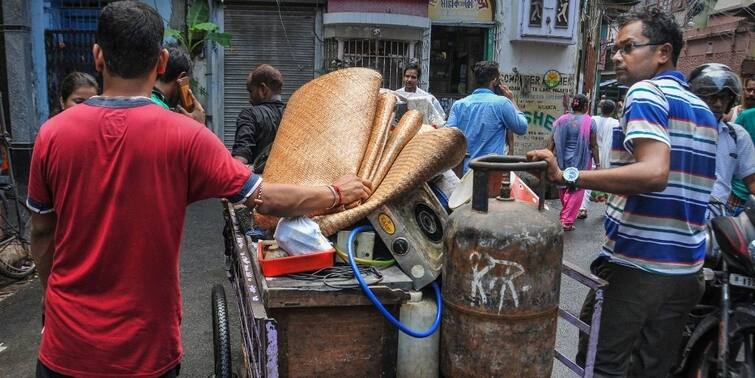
{"x":662,"y":173}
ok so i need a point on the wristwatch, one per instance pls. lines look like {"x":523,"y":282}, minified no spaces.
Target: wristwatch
{"x":571,"y":175}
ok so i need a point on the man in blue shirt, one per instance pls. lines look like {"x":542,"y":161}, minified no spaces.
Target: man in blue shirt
{"x":484,"y":117}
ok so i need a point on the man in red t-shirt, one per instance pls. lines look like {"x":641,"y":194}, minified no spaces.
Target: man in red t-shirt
{"x":109,"y":184}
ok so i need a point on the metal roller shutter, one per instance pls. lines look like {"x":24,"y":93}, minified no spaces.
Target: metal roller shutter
{"x":258,"y":38}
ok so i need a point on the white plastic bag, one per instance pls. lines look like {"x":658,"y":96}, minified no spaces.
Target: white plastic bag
{"x":300,"y":236}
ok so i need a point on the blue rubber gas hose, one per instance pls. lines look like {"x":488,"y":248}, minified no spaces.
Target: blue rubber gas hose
{"x":376,"y":301}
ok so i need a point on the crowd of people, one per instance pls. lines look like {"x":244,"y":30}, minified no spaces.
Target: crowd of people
{"x":681,"y":153}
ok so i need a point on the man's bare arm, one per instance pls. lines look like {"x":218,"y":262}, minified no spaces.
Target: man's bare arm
{"x":750,"y":182}
{"x":648,"y":174}
{"x":288,"y":200}
{"x":594,"y":149}
{"x":43,"y":244}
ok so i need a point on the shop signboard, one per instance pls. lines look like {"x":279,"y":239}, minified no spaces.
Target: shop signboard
{"x":461,"y":11}
{"x":542,"y":104}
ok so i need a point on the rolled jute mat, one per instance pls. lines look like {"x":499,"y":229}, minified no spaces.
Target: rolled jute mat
{"x":406,"y":129}
{"x":324,"y":132}
{"x":325,"y":129}
{"x":381,"y":126}
{"x":424,"y":156}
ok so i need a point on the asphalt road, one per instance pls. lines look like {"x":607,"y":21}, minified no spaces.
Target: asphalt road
{"x":202,"y":267}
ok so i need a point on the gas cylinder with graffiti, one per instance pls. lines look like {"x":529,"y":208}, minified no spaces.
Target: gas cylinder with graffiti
{"x":501,"y":281}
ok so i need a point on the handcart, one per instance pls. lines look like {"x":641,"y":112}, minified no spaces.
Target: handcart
{"x":299,"y":328}
{"x":302,"y":328}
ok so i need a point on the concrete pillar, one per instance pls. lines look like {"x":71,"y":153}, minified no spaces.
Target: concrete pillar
{"x":424,"y":80}
{"x":18,"y":55}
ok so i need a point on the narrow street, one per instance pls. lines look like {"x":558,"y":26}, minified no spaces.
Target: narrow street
{"x":202,"y":267}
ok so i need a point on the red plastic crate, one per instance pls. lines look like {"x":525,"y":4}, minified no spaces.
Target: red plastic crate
{"x":294,"y":264}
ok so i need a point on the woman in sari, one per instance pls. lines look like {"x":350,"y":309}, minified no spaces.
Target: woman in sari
{"x":574,"y":142}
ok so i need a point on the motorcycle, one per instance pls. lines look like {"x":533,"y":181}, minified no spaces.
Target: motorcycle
{"x":719,"y":339}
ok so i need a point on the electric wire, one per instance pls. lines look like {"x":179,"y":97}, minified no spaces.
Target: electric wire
{"x":380,"y":264}
{"x":366,"y":289}
{"x":285,"y":33}
{"x":336,"y":276}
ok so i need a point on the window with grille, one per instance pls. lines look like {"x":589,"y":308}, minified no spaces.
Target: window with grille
{"x":388,"y":57}
{"x":75,"y":14}
{"x":69,"y":37}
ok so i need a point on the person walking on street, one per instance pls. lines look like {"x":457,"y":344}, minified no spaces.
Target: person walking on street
{"x":109,"y":183}
{"x":167,"y":92}
{"x":434,"y":114}
{"x":719,"y":87}
{"x":655,"y":220}
{"x":574,"y":142}
{"x":484,"y":117}
{"x":76,"y":88}
{"x":257,"y":125}
{"x":740,"y":190}
{"x":748,"y":99}
{"x":604,"y":123}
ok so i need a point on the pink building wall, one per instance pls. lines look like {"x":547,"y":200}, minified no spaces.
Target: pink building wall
{"x":405,"y":7}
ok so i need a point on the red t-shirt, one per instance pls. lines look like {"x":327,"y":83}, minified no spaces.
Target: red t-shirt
{"x":118,"y":173}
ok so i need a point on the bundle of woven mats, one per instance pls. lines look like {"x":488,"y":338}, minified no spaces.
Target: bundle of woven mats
{"x":338,"y":124}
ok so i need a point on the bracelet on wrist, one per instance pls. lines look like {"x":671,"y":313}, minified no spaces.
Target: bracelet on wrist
{"x":340,"y":196}
{"x":335,"y":197}
{"x":258,"y":197}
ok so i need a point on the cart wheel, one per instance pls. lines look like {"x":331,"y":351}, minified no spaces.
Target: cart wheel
{"x":221,"y":338}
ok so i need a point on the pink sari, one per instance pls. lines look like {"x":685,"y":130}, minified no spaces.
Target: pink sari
{"x":571,"y":201}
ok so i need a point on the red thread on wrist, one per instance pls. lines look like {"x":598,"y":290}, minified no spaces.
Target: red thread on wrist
{"x":259,"y":193}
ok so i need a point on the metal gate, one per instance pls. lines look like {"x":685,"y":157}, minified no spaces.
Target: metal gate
{"x":385,"y":56}
{"x":282,"y":37}
{"x":67,"y":51}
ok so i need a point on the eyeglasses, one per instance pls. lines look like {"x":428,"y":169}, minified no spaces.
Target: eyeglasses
{"x":627,"y":48}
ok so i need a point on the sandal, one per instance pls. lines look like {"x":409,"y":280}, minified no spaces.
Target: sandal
{"x":582,"y":214}
{"x":569,"y":227}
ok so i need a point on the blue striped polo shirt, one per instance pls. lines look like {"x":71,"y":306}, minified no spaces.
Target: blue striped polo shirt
{"x":663,"y":232}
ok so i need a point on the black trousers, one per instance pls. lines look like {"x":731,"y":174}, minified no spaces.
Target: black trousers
{"x":45,"y":372}
{"x":641,"y":322}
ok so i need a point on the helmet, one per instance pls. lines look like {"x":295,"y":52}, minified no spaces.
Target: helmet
{"x":712,"y":78}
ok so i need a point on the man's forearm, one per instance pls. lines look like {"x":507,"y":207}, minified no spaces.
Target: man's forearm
{"x":287,"y":200}
{"x":630,"y":179}
{"x":750,"y":182}
{"x":596,"y":156}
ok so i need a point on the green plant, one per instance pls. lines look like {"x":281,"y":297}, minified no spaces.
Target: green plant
{"x":199,"y":30}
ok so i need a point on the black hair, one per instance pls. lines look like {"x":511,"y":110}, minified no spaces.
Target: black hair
{"x":267,"y":74}
{"x":413,"y":66}
{"x":485,"y":72}
{"x":74,"y":81}
{"x":607,"y":107}
{"x":579,"y":103}
{"x":659,"y":27}
{"x":178,"y":62}
{"x":130,"y":35}
{"x":748,"y":79}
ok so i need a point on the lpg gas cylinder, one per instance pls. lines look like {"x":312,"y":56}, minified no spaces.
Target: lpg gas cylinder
{"x":501,"y":281}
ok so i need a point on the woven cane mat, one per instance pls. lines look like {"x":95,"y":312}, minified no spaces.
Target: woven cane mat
{"x":380,"y":129}
{"x":325,"y":129}
{"x":406,"y":129}
{"x":324,"y":132}
{"x":423,"y":157}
